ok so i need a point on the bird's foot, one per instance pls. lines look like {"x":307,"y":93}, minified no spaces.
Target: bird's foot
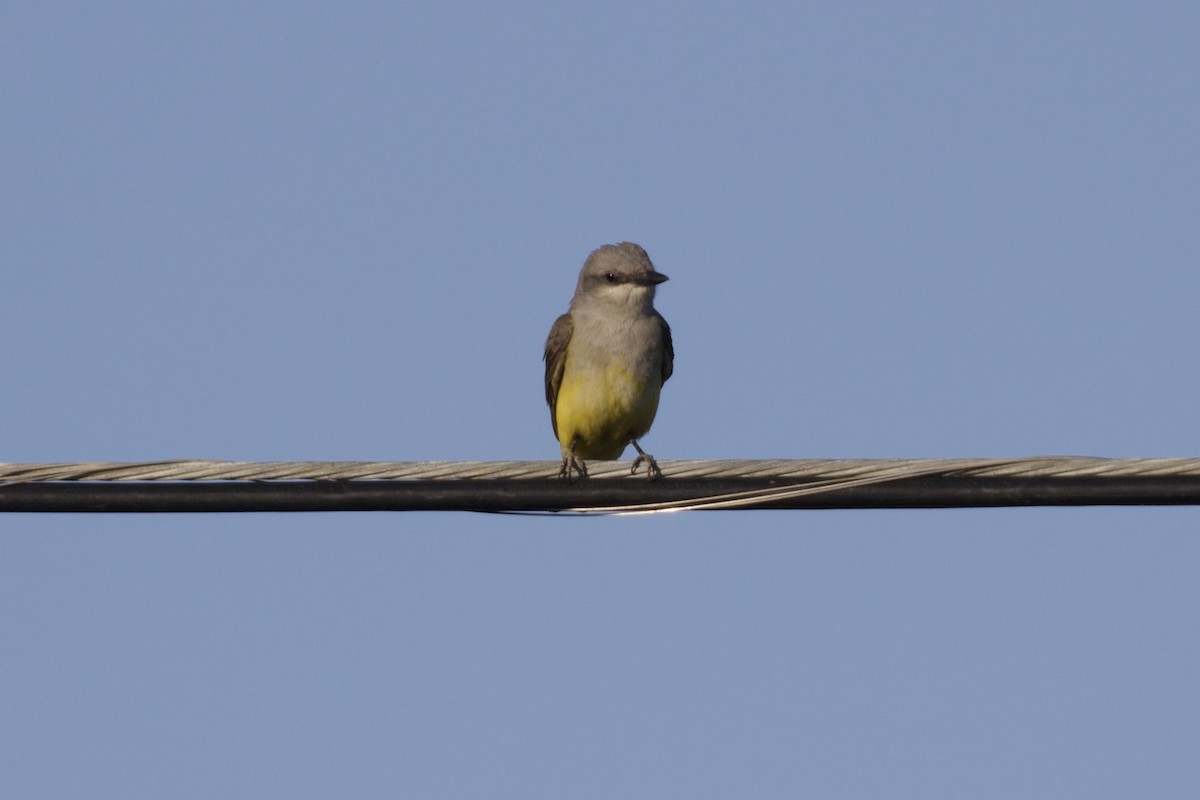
{"x":652,"y":470}
{"x":571,"y":464}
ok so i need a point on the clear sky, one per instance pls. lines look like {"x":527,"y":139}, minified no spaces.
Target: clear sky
{"x":276,"y":231}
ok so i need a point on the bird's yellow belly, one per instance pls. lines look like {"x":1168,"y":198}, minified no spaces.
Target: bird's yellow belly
{"x":598,"y":413}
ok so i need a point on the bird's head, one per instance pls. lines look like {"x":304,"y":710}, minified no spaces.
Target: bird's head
{"x":619,"y":274}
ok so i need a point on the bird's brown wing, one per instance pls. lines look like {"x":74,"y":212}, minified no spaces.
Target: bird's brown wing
{"x":668,"y":362}
{"x":556,"y":361}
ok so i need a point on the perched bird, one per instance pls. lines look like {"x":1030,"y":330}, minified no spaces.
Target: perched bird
{"x":607,"y":359}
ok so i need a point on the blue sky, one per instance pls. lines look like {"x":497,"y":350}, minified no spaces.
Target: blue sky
{"x":278,"y":231}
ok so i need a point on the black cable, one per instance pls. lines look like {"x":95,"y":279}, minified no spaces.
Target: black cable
{"x":545,"y":495}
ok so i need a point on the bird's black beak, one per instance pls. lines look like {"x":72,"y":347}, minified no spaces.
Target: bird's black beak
{"x":651,"y":278}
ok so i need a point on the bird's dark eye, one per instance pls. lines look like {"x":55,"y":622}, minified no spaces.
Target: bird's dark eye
{"x":611,"y":277}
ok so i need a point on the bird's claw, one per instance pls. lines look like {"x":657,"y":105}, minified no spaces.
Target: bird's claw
{"x":572,"y":464}
{"x":652,"y":470}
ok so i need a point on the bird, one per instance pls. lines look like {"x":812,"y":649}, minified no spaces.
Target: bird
{"x":607,"y":359}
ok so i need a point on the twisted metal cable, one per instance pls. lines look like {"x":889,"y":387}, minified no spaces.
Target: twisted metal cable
{"x":790,"y":469}
{"x":534,"y":486}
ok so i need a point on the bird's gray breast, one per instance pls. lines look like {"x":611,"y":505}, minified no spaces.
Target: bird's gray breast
{"x":632,"y":340}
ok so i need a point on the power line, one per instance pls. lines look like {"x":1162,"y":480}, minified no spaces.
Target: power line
{"x":533,"y":486}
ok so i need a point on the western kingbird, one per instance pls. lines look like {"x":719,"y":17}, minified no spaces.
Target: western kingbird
{"x":607,"y":359}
